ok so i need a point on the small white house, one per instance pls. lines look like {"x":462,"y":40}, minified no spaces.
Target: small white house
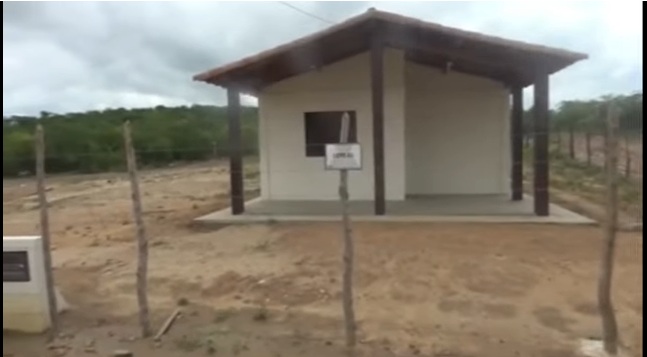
{"x":437,"y":112}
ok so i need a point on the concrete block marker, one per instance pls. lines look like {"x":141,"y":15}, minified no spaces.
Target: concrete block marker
{"x":25,"y":306}
{"x":595,"y":348}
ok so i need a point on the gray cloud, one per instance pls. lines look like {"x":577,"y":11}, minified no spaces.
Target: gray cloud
{"x":74,"y":56}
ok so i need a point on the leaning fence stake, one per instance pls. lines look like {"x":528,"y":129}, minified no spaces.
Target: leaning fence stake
{"x":45,"y":233}
{"x":142,"y":240}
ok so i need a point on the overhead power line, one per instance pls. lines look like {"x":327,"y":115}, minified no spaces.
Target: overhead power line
{"x":306,"y":13}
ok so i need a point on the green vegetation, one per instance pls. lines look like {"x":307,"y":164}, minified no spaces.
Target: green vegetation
{"x":589,"y":116}
{"x":93,"y":141}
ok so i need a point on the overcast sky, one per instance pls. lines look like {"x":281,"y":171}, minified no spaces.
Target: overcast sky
{"x":76,"y":56}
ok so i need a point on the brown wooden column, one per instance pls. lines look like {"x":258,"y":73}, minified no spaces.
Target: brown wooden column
{"x":541,"y":114}
{"x":377,"y":99}
{"x":235,"y":153}
{"x":516,"y":130}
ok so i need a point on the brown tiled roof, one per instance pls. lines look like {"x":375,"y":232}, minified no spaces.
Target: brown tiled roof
{"x":423,"y":42}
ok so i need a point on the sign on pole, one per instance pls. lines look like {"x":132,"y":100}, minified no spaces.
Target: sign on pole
{"x":343,"y":156}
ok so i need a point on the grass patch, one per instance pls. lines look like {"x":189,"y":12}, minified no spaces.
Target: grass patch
{"x":239,"y":347}
{"x":188,"y":344}
{"x":261,"y":315}
{"x":222,"y":316}
{"x":251,"y":174}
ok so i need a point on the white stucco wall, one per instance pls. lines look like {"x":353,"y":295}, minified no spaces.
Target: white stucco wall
{"x":457,"y":133}
{"x":286,"y":172}
{"x":444,"y":134}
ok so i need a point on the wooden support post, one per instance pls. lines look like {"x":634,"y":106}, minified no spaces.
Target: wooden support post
{"x":237,"y":190}
{"x":45,"y":232}
{"x":517,"y":143}
{"x":541,"y":114}
{"x":142,"y":239}
{"x":377,"y":100}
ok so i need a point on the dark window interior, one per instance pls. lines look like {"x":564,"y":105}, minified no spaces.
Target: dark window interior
{"x":324,"y":128}
{"x":15,"y":267}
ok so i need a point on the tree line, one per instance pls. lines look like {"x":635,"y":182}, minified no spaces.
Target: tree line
{"x":588,"y":116}
{"x":92,"y":141}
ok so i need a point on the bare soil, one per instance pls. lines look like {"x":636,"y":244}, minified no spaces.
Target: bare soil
{"x":487,"y":290}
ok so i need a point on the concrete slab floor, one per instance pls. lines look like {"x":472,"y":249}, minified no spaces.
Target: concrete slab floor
{"x":442,"y":208}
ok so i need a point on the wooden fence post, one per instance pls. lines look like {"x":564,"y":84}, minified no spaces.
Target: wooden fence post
{"x":571,"y":142}
{"x":627,"y":158}
{"x":640,"y":177}
{"x":588,"y":147}
{"x":609,"y":324}
{"x":348,"y":255}
{"x":142,"y":240}
{"x":45,"y":232}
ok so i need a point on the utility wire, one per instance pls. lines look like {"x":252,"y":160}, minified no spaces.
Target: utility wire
{"x":306,"y":13}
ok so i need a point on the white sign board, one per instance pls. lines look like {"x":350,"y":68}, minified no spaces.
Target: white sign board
{"x":343,"y":157}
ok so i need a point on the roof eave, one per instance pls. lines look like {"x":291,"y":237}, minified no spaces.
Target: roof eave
{"x":220,"y":76}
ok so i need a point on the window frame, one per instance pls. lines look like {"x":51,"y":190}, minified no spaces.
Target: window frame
{"x":312,"y":121}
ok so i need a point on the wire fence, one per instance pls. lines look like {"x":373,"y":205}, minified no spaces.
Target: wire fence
{"x":578,"y":161}
{"x":588,"y":148}
{"x":92,"y":202}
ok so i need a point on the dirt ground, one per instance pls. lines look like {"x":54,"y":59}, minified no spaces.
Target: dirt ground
{"x":487,"y":290}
